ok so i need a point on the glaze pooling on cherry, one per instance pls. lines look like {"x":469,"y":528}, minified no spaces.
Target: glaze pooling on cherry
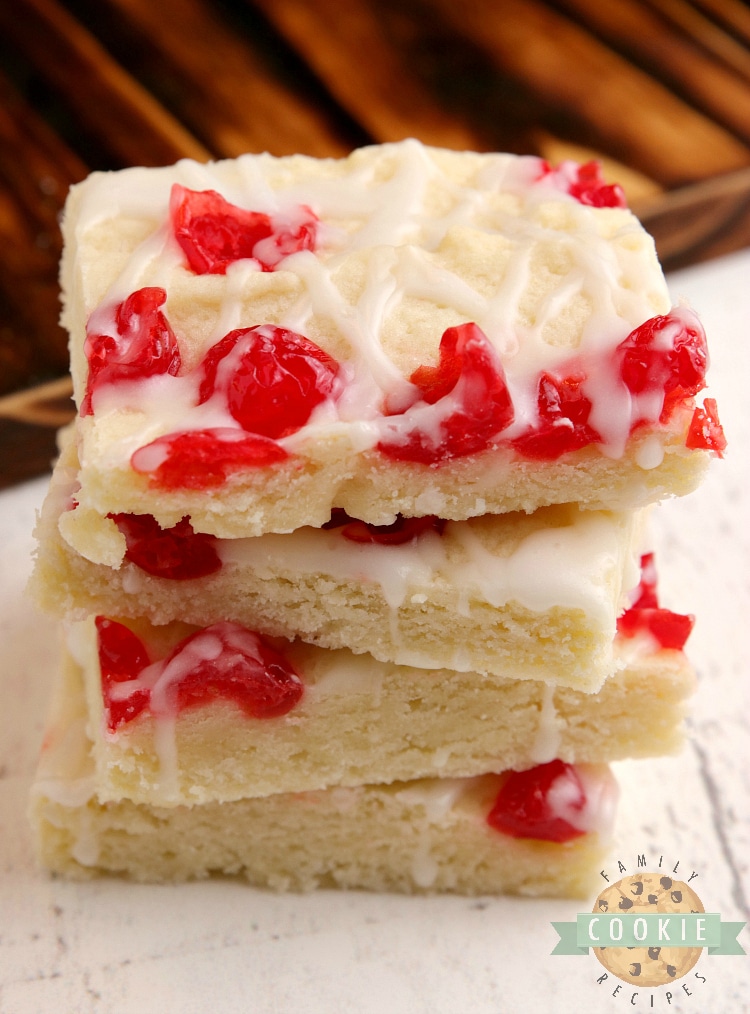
{"x":563,"y":426}
{"x":530,"y":803}
{"x":644,"y":616}
{"x":214,"y":234}
{"x":175,"y":554}
{"x":203,"y":459}
{"x":666,"y":355}
{"x":137,"y":343}
{"x":462,"y":403}
{"x":224,"y":660}
{"x":662,"y":363}
{"x":270,"y":377}
{"x":122,"y":657}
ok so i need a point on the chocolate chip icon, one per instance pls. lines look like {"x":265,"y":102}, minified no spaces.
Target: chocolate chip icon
{"x":648,"y":965}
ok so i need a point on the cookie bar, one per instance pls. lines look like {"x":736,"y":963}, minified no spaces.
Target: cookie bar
{"x":526,"y":596}
{"x":183,"y":715}
{"x":408,"y":330}
{"x":471,"y":836}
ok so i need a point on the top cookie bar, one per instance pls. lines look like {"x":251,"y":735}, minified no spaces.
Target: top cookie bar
{"x":407,"y":330}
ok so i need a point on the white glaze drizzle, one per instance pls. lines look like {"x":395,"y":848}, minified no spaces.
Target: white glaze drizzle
{"x":546,"y":742}
{"x":225,"y":641}
{"x":568,"y":565}
{"x":394,"y":207}
{"x":600,"y":791}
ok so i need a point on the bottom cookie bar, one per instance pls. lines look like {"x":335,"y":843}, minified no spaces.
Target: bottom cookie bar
{"x":460,"y":835}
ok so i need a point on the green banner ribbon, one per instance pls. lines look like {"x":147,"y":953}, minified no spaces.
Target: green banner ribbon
{"x":648,"y":929}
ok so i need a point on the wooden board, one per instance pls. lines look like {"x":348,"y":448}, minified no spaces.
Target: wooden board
{"x":657,"y":90}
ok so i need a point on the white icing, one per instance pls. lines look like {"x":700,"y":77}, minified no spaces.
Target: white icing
{"x":350,"y":674}
{"x":549,"y":730}
{"x":404,"y":214}
{"x":571,"y":564}
{"x":650,"y":454}
{"x":436,"y":796}
{"x":600,"y":791}
{"x":85,"y":849}
{"x":424,"y":866}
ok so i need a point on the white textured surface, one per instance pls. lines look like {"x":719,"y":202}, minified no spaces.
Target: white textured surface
{"x":220,"y":946}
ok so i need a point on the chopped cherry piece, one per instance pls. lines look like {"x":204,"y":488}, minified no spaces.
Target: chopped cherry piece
{"x":590,"y":188}
{"x":706,"y":432}
{"x":563,"y":420}
{"x":203,"y":459}
{"x":272,"y":378}
{"x":401,"y":531}
{"x":666,"y":353}
{"x":468,"y":385}
{"x":646,"y":595}
{"x":670,"y":630}
{"x":122,"y":656}
{"x":532,"y":803}
{"x":227,"y":660}
{"x":214,"y":233}
{"x":177,"y":553}
{"x":586,"y":183}
{"x":224,"y":660}
{"x":144,"y":345}
{"x":644,"y":616}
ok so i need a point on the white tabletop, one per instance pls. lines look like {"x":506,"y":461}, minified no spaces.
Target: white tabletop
{"x":221,"y":946}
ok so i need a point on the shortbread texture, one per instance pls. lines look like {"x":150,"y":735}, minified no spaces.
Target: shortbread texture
{"x":412,"y":837}
{"x":410,"y":241}
{"x":349,"y":535}
{"x":515,"y":595}
{"x":360,"y":721}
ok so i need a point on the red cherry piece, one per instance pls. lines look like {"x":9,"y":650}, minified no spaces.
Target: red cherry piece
{"x":177,"y":553}
{"x":525,"y":808}
{"x":563,"y":420}
{"x":666,"y":353}
{"x":646,"y":594}
{"x":644,"y":616}
{"x":122,"y":657}
{"x":143,"y":345}
{"x":214,"y":233}
{"x":705,"y":432}
{"x":591,"y":189}
{"x":669,"y":630}
{"x":469,"y":373}
{"x":586,"y":183}
{"x":203,"y":459}
{"x":228,"y":661}
{"x":272,"y":378}
{"x":401,"y":531}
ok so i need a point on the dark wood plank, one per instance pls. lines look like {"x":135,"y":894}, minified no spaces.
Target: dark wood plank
{"x":211,"y":73}
{"x":589,"y":90}
{"x":720,"y":27}
{"x":658,"y":90}
{"x":697,"y":223}
{"x":136,"y":128}
{"x":29,"y":421}
{"x":378,"y":60}
{"x":36,"y":170}
{"x":685,"y":56}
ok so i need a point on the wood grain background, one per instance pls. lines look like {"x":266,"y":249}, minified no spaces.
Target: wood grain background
{"x":658,"y":90}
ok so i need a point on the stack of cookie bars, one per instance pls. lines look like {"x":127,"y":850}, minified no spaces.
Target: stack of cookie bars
{"x":349,"y":539}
